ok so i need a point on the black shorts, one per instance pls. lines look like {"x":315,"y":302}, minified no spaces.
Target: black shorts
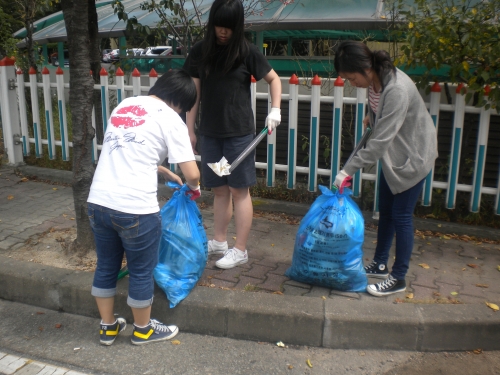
{"x":213,"y":149}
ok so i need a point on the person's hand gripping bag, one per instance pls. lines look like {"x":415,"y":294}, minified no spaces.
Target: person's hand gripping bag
{"x":328,"y":245}
{"x":183,"y":246}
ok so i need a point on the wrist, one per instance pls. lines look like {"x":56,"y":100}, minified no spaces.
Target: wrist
{"x":194,"y":186}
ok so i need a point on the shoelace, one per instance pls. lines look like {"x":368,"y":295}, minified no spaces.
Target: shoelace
{"x":230,"y":253}
{"x":157,"y":326}
{"x":387,"y":283}
{"x":371,"y":266}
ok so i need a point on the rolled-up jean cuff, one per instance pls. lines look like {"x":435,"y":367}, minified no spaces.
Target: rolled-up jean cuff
{"x":136,"y":304}
{"x":103,"y":293}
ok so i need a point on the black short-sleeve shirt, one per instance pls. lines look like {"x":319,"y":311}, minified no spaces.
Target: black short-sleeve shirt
{"x":226,"y":109}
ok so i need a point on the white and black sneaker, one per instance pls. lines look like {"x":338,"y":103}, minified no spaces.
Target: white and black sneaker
{"x":386,"y":287}
{"x":378,"y":270}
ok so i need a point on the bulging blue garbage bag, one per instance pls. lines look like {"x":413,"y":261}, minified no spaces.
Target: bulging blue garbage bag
{"x":328,"y":246}
{"x":183,"y":246}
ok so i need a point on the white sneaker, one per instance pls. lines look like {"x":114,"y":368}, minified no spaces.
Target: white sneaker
{"x":232,"y":258}
{"x":216,"y":248}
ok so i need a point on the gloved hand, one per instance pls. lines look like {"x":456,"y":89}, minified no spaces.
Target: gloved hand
{"x":273,"y":119}
{"x":342,"y":180}
{"x":194,"y":192}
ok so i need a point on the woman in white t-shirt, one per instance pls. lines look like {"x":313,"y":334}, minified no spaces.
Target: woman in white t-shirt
{"x":123,"y":207}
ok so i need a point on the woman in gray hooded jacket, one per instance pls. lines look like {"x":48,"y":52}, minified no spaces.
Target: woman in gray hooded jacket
{"x":404,"y":140}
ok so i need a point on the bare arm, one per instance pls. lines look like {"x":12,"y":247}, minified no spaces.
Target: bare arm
{"x":275,"y":88}
{"x":168,"y":175}
{"x":192,"y":114}
{"x":191,"y":173}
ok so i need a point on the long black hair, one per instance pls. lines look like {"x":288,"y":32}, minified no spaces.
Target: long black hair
{"x":228,"y":14}
{"x":355,"y":57}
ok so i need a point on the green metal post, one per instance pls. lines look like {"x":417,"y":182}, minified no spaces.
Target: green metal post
{"x":45,"y":55}
{"x":60,"y":54}
{"x":122,"y":45}
{"x":260,"y":41}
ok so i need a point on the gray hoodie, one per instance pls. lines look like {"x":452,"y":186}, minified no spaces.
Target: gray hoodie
{"x":404,"y":137}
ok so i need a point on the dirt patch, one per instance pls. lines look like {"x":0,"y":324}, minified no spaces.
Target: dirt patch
{"x":50,"y":248}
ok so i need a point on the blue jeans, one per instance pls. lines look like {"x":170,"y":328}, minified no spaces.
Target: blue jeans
{"x":396,"y":216}
{"x":138,"y":236}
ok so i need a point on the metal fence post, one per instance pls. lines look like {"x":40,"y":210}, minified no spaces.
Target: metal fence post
{"x":434,"y":112}
{"x":456,"y":148}
{"x":271,"y":147}
{"x":293,"y":108}
{"x":338,"y":104}
{"x":357,"y":179}
{"x":314,"y":134}
{"x":482,"y":143}
{"x":10,"y":113}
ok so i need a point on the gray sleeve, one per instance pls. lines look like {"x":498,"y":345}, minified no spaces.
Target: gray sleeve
{"x":393,"y":113}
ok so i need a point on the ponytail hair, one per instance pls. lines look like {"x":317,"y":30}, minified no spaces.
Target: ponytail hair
{"x":355,"y":57}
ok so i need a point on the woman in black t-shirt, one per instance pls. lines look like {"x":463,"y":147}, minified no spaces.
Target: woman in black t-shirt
{"x":221,"y":66}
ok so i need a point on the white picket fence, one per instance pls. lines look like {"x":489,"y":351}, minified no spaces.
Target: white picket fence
{"x":17,"y":138}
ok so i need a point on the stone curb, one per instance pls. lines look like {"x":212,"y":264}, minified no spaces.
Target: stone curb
{"x":337,"y":323}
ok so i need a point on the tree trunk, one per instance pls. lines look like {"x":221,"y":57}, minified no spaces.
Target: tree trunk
{"x":80,"y":21}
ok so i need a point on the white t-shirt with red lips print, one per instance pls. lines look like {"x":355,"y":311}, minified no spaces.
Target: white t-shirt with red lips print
{"x":141,"y":132}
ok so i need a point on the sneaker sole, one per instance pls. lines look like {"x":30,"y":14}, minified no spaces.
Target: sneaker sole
{"x":174,"y":333}
{"x":376,"y":293}
{"x":378,"y":275}
{"x":227,"y":266}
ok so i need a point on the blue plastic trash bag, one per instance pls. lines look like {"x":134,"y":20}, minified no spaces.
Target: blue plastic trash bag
{"x":183,"y":246}
{"x":328,"y":246}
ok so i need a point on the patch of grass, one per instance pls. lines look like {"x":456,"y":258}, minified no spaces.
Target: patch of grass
{"x":251,"y":288}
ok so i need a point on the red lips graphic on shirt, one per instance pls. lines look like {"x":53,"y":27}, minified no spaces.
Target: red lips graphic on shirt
{"x":129,"y":117}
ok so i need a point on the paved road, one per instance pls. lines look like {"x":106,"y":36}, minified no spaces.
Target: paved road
{"x":31,"y":333}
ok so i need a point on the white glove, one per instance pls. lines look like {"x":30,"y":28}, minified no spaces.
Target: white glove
{"x":194,"y":192}
{"x":342,"y":180}
{"x":273,"y":119}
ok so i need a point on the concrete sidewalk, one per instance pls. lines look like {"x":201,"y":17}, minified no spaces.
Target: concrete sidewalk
{"x":256,"y":301}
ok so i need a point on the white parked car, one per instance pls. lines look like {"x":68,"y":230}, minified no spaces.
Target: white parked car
{"x":157,"y":51}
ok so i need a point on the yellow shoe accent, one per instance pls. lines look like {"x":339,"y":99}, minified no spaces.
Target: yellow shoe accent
{"x":144,"y":336}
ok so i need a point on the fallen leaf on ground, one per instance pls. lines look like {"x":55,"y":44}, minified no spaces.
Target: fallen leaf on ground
{"x":482,"y":285}
{"x":409,"y":296}
{"x":24,"y":179}
{"x":362,"y":353}
{"x":374,"y":241}
{"x":175,"y":342}
{"x":424,"y":265}
{"x":39,"y":313}
{"x":308,"y":362}
{"x":278,"y":292}
{"x":280,"y":344}
{"x":492,"y":306}
{"x":398,"y":300}
{"x":446,"y":238}
{"x":454,"y":293}
{"x":10,"y":197}
{"x":58,"y":325}
{"x":54,"y":188}
{"x":498,"y":268}
{"x":323,"y":298}
{"x":472,"y":265}
{"x":464,"y":269}
{"x":478,"y":351}
{"x":234,"y":238}
{"x":290,"y":367}
{"x":439,"y":225}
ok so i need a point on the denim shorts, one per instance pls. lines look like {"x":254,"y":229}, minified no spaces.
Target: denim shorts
{"x":213,"y":149}
{"x":138,"y":236}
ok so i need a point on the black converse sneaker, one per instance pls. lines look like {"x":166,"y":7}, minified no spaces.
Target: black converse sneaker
{"x":109,"y":332}
{"x":154,"y":331}
{"x":377,"y":270}
{"x":386,"y":287}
